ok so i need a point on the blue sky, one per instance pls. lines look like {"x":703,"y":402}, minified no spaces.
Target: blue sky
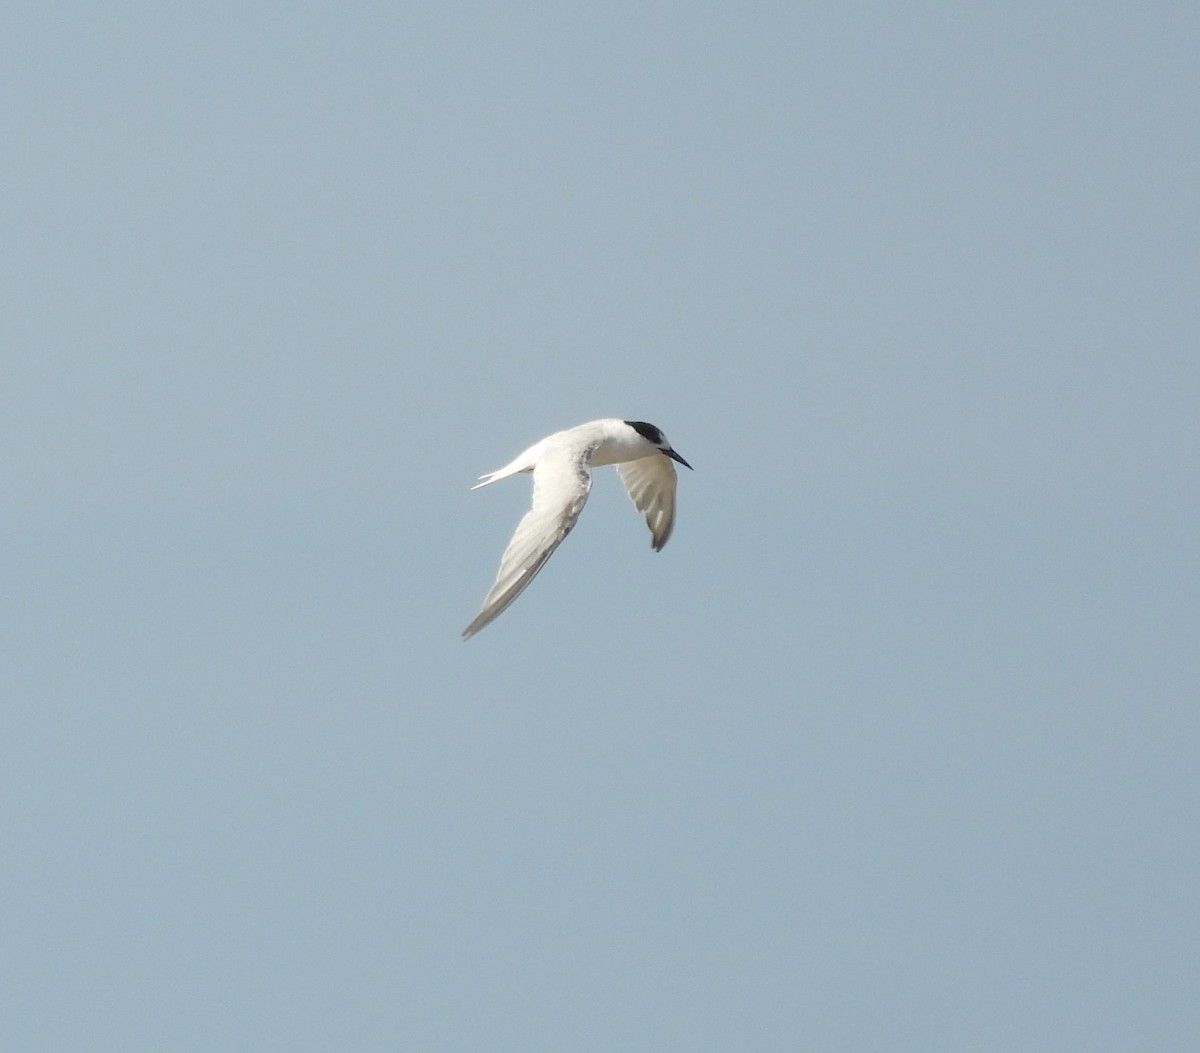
{"x":892,"y":748}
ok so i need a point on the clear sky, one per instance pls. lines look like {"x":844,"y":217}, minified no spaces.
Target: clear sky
{"x":893,"y":747}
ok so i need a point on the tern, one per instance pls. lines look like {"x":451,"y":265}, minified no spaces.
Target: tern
{"x":562,"y":466}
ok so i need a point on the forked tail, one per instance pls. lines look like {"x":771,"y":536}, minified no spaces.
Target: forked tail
{"x":524,"y":463}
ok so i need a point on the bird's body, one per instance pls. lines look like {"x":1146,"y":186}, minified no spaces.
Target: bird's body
{"x":561,"y":465}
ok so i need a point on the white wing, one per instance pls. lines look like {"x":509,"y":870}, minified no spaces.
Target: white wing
{"x":561,"y":482}
{"x":650,"y":482}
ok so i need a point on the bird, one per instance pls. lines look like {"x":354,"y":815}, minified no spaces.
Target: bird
{"x":562,"y":466}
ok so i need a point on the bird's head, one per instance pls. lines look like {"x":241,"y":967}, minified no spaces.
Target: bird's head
{"x":654,"y":436}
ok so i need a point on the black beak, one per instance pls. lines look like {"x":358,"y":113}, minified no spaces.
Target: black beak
{"x":675,"y":457}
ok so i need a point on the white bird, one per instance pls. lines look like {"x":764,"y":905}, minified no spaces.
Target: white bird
{"x":562,"y":476}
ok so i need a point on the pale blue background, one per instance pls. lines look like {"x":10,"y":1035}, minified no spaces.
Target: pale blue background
{"x":894,"y":747}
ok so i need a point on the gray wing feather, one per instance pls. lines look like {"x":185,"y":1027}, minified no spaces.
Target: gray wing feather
{"x":650,"y":483}
{"x":560,"y":490}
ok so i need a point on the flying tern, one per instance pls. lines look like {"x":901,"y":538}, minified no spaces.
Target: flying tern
{"x":562,"y":476}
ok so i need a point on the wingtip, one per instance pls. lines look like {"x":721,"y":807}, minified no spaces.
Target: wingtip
{"x":659,"y":538}
{"x":479,"y":623}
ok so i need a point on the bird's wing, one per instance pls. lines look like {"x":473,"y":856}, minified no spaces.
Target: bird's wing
{"x":561,"y":482}
{"x":650,"y":483}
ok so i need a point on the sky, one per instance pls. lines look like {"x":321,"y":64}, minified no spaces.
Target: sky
{"x":893,"y":747}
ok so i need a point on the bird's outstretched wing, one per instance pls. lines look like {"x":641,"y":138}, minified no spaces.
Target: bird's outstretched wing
{"x":650,"y":483}
{"x":561,"y":482}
